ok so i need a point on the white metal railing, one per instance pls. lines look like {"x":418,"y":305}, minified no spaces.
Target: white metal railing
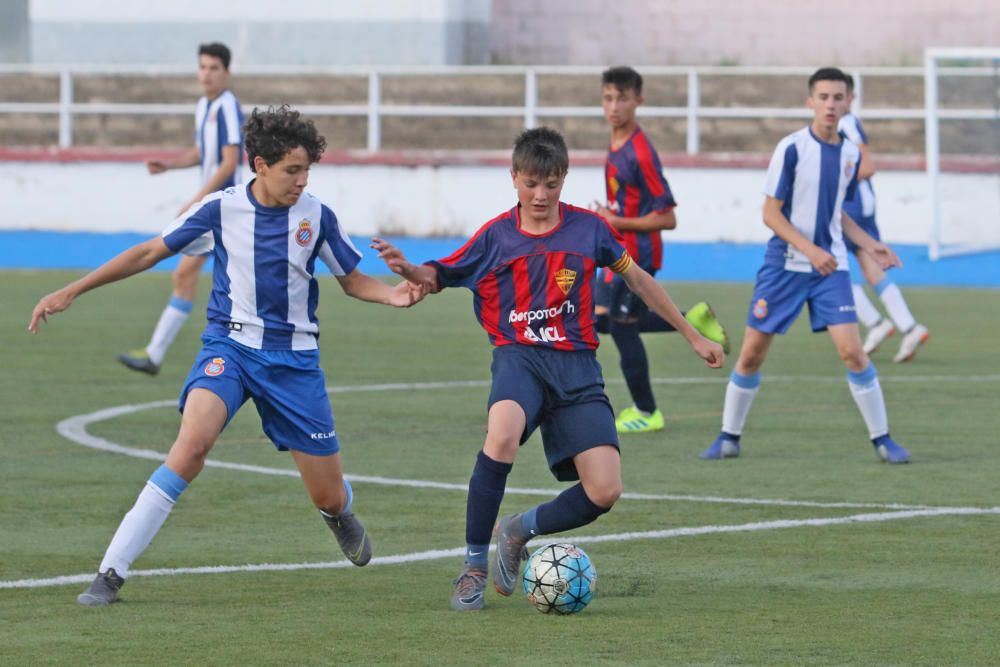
{"x":374,"y":110}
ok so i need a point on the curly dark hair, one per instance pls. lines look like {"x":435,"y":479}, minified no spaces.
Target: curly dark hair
{"x":273,"y":133}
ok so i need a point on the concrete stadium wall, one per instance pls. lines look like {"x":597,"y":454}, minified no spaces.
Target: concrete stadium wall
{"x":714,"y":204}
{"x":305,"y":32}
{"x":715,"y":32}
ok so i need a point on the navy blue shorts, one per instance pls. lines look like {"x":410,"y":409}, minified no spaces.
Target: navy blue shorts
{"x":621,"y":302}
{"x":563,"y":392}
{"x":868,"y":224}
{"x":288,"y":388}
{"x":778,"y":297}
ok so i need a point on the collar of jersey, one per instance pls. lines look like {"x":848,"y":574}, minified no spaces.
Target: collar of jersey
{"x":260,"y":207}
{"x":819,"y":141}
{"x":517,"y":220}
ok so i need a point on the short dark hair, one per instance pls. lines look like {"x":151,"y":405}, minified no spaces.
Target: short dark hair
{"x":540,"y":151}
{"x":216,"y":50}
{"x":273,"y":133}
{"x":622,"y":78}
{"x":827,"y":74}
{"x":850,"y":83}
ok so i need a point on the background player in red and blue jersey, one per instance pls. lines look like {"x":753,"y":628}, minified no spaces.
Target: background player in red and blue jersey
{"x":532,"y":271}
{"x":812,"y":173}
{"x":639,"y":205}
{"x":261,"y":341}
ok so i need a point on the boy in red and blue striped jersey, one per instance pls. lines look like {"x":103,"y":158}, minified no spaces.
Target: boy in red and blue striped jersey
{"x":640,"y":206}
{"x":532,"y":271}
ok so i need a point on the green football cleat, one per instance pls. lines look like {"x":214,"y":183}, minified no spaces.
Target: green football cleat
{"x":703,"y":319}
{"x":633,"y":420}
{"x":138,"y":360}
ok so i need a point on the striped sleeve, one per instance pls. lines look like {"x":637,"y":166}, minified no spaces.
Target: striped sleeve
{"x":781,"y":171}
{"x":230,"y":125}
{"x":335,"y":248}
{"x":651,"y":175}
{"x":192,"y":233}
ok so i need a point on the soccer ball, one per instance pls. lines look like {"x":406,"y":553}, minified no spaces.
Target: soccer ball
{"x":559,"y":578}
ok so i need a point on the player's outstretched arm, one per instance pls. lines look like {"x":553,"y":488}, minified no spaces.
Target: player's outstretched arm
{"x":653,"y":294}
{"x":882,"y":253}
{"x":363,"y":287}
{"x":136,"y":259}
{"x":419,"y":274}
{"x":822,"y":261}
{"x":655,"y":221}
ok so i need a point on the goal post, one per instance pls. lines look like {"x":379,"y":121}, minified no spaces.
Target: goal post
{"x":962,"y":122}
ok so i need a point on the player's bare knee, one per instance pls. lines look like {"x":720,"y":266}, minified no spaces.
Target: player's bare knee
{"x":604,"y":493}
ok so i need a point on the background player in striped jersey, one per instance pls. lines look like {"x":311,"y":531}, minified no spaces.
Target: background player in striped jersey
{"x":640,"y":206}
{"x":532,"y":271}
{"x":218,"y":151}
{"x":811,"y":173}
{"x":861,"y":208}
{"x":261,"y":337}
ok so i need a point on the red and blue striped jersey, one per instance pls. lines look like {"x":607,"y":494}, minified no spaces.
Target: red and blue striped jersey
{"x":634,"y":178}
{"x":536,"y":289}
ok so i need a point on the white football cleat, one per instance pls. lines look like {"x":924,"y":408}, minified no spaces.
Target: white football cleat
{"x":877,"y":335}
{"x":912,"y":339}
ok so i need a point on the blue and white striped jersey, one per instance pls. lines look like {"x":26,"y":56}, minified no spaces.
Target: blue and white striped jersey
{"x":812,"y":178}
{"x":264,"y":290}
{"x":218,"y":123}
{"x":863,"y":203}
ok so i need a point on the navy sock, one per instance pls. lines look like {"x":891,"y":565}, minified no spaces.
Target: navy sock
{"x":635,"y":365}
{"x":653,"y":323}
{"x":602,"y":323}
{"x":486,"y":487}
{"x":730,"y":436}
{"x":570,"y":509}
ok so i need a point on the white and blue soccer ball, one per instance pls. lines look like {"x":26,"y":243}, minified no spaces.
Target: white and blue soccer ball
{"x":559,"y":579}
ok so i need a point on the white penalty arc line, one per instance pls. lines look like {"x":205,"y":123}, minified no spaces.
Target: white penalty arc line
{"x":75,"y":430}
{"x":437,"y":554}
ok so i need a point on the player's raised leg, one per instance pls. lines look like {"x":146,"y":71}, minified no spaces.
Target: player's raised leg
{"x":203,"y":419}
{"x":744,"y":382}
{"x":332,"y":495}
{"x":862,"y":378}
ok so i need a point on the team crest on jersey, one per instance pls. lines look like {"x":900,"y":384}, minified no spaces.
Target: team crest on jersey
{"x":613,"y":186}
{"x":565,"y":279}
{"x":760,"y":309}
{"x":215,"y":367}
{"x":304,"y":233}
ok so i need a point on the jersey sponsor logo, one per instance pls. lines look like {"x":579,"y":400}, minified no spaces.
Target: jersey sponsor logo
{"x":565,"y":279}
{"x":760,"y":309}
{"x":530,"y":316}
{"x":544,"y":335}
{"x":304,"y":233}
{"x":215,"y":367}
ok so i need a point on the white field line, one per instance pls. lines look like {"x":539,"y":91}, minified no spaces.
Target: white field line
{"x":437,"y":554}
{"x":75,"y":430}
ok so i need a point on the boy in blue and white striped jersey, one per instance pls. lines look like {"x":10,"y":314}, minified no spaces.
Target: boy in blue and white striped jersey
{"x":261,"y":338}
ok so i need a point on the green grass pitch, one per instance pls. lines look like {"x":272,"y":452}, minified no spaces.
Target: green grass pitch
{"x":749,"y":583}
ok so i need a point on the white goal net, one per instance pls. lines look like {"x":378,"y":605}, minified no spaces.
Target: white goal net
{"x":962,"y":127}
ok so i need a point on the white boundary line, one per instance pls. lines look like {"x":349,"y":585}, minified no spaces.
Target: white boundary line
{"x":437,"y":554}
{"x":75,"y":430}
